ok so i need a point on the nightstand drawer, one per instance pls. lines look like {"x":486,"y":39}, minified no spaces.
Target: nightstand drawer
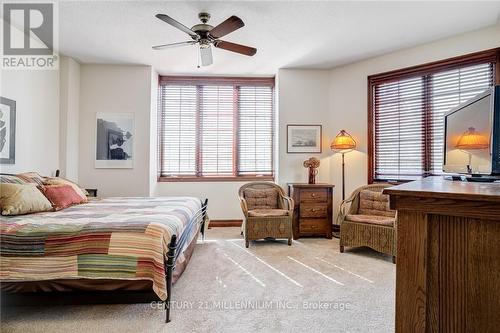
{"x":312,"y":226}
{"x":313,"y":210}
{"x":316,"y":195}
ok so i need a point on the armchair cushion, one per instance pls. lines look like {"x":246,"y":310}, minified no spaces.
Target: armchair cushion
{"x":261,"y":198}
{"x":371,"y":219}
{"x":374,"y":203}
{"x":267,"y":212}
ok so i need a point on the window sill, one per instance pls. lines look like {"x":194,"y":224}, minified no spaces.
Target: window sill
{"x":392,"y":181}
{"x":214,"y":179}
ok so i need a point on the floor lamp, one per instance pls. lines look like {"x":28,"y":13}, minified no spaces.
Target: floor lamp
{"x":343,"y":143}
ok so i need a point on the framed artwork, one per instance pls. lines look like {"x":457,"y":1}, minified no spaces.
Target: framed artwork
{"x":7,"y":131}
{"x":304,"y":139}
{"x":114,"y":140}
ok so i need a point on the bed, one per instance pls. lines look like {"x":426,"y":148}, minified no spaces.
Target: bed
{"x":104,"y":247}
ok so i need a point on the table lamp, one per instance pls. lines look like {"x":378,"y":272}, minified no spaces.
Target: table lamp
{"x":343,"y":143}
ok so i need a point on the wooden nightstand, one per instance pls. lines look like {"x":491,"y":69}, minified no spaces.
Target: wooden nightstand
{"x":312,"y":215}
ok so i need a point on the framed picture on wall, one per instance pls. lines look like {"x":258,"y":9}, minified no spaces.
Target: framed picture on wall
{"x":114,"y":140}
{"x":7,"y":131}
{"x":304,"y":139}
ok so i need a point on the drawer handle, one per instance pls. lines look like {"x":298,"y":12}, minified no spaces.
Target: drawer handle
{"x":313,"y":210}
{"x":313,"y":195}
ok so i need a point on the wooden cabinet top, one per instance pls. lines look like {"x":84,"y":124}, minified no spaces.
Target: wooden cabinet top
{"x":439,"y":188}
{"x":305,"y":185}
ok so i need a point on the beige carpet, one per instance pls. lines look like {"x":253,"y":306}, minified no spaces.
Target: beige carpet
{"x":271,"y":287}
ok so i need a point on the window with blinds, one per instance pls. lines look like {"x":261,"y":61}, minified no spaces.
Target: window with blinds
{"x":215,"y":128}
{"x":406,"y":113}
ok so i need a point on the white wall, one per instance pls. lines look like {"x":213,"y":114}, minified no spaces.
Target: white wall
{"x":69,"y":117}
{"x":115,"y":89}
{"x":223,"y":202}
{"x":36,"y":93}
{"x":303,"y":99}
{"x":348,"y":93}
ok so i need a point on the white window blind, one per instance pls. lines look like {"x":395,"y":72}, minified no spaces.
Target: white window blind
{"x":448,"y":90}
{"x":216,"y":128}
{"x":398,"y":128}
{"x":255,"y":130}
{"x":178,"y":129}
{"x":408,"y":118}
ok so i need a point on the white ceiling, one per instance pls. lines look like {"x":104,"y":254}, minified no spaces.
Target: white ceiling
{"x":299,"y":34}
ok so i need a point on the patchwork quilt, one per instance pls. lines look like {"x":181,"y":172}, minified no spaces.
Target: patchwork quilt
{"x":113,"y":238}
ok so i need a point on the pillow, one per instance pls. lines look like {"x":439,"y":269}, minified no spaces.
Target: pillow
{"x":374,"y":203}
{"x":61,"y":196}
{"x":11,"y":179}
{"x":261,"y":198}
{"x":31,"y":177}
{"x":17,"y":199}
{"x":62,"y":181}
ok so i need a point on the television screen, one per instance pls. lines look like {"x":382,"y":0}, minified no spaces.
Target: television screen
{"x":468,"y":137}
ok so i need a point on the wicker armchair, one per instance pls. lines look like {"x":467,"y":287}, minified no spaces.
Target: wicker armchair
{"x":268,"y":212}
{"x":366,"y":220}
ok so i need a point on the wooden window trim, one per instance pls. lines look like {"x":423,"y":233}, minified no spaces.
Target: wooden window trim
{"x":215,"y":80}
{"x":492,"y":55}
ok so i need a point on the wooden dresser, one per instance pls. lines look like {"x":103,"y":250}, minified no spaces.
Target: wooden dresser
{"x":448,"y":264}
{"x":312,"y":215}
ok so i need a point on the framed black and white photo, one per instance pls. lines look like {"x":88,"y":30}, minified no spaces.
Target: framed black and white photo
{"x":114,"y":140}
{"x":304,"y":139}
{"x":7,"y":131}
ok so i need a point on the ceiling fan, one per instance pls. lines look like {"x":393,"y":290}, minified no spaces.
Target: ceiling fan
{"x":206,"y":35}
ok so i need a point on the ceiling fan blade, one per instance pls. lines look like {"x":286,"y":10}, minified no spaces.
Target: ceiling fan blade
{"x":242,"y":49}
{"x":206,"y":56}
{"x":231,"y":24}
{"x":177,"y":24}
{"x":164,"y":46}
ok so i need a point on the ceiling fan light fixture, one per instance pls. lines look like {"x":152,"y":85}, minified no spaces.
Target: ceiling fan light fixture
{"x":206,"y":56}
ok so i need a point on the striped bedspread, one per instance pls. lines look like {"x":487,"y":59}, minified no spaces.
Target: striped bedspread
{"x":114,"y":238}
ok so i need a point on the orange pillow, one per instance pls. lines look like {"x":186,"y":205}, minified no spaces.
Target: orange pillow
{"x":61,"y":196}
